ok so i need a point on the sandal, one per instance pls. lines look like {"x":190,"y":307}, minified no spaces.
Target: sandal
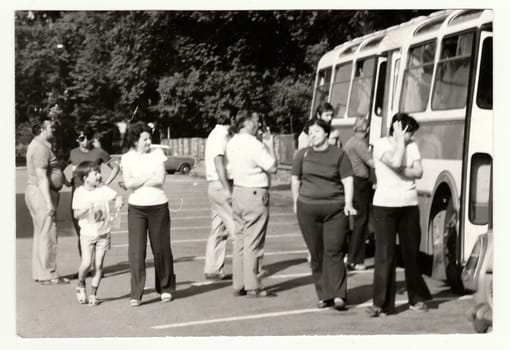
{"x":81,"y":296}
{"x":93,"y":300}
{"x":54,"y":281}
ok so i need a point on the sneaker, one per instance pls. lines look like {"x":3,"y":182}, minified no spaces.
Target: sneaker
{"x":166,"y":297}
{"x":239,"y":292}
{"x":375,"y":311}
{"x":93,"y":300}
{"x":135,"y":302}
{"x":81,"y":296}
{"x":356,"y":267}
{"x":324,"y":303}
{"x":419,"y":306}
{"x":260,"y":293}
{"x":339,"y":304}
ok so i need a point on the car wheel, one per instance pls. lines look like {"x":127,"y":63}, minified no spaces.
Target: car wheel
{"x":185,"y":168}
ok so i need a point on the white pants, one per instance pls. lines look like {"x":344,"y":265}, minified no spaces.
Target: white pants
{"x":222,"y":225}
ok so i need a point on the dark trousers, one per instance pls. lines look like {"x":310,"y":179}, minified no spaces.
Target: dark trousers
{"x":156,"y":220}
{"x":362,"y":199}
{"x":324,"y":227}
{"x":405,"y":221}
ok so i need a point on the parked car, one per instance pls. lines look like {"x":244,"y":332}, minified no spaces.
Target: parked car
{"x":477,"y":276}
{"x":175,"y":163}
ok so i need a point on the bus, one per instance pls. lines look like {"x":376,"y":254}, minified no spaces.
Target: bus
{"x":437,"y":68}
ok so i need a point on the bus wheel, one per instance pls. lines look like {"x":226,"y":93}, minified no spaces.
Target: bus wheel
{"x":444,"y":226}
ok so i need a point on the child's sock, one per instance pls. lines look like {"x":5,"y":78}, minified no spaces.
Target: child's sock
{"x":81,"y":284}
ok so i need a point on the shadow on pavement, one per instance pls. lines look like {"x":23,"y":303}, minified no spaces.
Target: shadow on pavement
{"x":276,"y":267}
{"x":24,"y":226}
{"x":194,"y":289}
{"x":294,"y":283}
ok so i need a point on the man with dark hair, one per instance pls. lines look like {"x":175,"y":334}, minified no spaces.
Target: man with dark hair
{"x":44,"y":181}
{"x":220,"y":196}
{"x":361,"y":161}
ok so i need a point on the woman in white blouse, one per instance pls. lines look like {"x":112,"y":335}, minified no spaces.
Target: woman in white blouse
{"x":144,"y":175}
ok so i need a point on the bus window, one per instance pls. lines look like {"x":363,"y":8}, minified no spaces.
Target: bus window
{"x":322,"y":89}
{"x":479,"y":188}
{"x":361,"y":93}
{"x":340,"y":89}
{"x":452,"y":77}
{"x":418,"y":77}
{"x":484,"y":96}
{"x":379,"y":95}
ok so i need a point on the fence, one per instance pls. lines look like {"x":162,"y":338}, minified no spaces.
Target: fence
{"x":284,"y":147}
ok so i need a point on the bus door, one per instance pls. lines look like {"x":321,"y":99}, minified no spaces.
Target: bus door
{"x":478,"y":157}
{"x":386,"y":101}
{"x":376,"y":112}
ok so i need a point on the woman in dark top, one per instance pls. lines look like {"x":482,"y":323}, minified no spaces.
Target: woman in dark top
{"x":86,"y":152}
{"x":322,"y":189}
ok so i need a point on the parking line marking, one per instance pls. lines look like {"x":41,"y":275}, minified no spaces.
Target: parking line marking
{"x":236,"y":318}
{"x":279,"y":314}
{"x":184,"y":228}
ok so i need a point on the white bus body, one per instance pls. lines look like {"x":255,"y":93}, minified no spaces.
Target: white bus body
{"x":437,"y":68}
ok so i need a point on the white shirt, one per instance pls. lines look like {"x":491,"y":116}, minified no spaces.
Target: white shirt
{"x":141,"y":165}
{"x":393,"y":189}
{"x":96,"y":222}
{"x":249,"y":160}
{"x":215,"y":145}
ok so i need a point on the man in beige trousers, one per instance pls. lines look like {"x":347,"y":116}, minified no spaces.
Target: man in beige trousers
{"x":220,"y":196}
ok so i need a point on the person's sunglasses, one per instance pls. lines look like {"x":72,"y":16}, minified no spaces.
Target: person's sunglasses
{"x":82,"y":138}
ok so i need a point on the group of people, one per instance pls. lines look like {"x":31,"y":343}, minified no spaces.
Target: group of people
{"x":330,"y":183}
{"x":144,"y":175}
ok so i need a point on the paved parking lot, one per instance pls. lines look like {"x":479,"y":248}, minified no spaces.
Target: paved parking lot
{"x":204,"y":308}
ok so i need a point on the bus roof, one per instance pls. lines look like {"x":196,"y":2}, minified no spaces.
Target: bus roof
{"x":393,"y":37}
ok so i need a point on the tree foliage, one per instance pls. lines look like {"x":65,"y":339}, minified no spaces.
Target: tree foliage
{"x":175,"y":68}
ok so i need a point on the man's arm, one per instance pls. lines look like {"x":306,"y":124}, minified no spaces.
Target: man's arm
{"x":44,"y":185}
{"x":295,"y":183}
{"x":219,"y":163}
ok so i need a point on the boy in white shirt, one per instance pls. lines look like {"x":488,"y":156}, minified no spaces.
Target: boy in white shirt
{"x":91,"y":208}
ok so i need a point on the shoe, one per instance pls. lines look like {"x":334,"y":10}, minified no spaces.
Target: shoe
{"x":375,"y":311}
{"x":93,"y":300}
{"x":356,"y":267}
{"x":135,"y":302}
{"x":262,"y":273}
{"x":419,"y":306}
{"x":339,"y":304}
{"x":217,"y":276}
{"x":239,"y":292}
{"x":166,"y":297}
{"x":54,"y":281}
{"x":260,"y":293}
{"x":81,"y":296}
{"x":322,"y":304}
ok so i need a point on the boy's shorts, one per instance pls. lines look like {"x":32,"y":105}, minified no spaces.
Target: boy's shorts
{"x":101,"y":242}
